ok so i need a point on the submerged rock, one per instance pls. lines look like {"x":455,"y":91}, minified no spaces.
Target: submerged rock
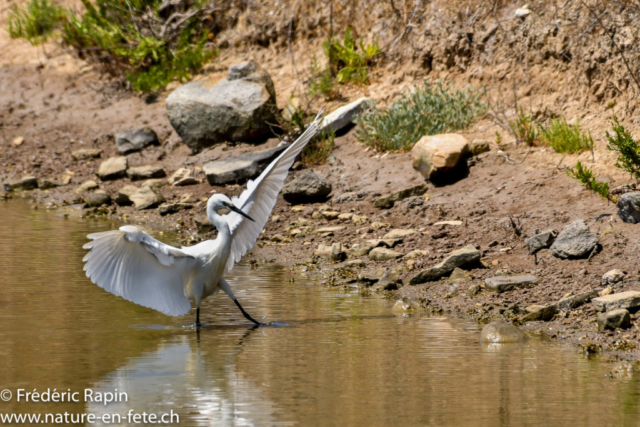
{"x":237,"y":108}
{"x":467,"y":255}
{"x":614,"y":319}
{"x":501,"y":333}
{"x":574,"y":241}
{"x":307,"y":188}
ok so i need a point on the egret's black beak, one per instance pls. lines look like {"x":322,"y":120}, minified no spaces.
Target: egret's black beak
{"x":236,"y":210}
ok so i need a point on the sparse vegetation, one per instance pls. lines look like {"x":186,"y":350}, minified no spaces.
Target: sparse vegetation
{"x":525,"y":129}
{"x":566,"y":138}
{"x":627,"y":148}
{"x":35,"y":22}
{"x":586,"y":177}
{"x":427,"y":110}
{"x":321,"y":81}
{"x":318,"y":150}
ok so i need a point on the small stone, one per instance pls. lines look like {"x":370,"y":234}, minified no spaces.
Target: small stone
{"x":86,"y":154}
{"x":186,"y":181}
{"x":501,"y":284}
{"x":181,"y":173}
{"x":240,"y":168}
{"x":479,"y":146}
{"x":135,"y":140}
{"x":458,"y":275}
{"x":454,"y":223}
{"x":474,"y":290}
{"x":629,"y":207}
{"x":204,"y":226}
{"x":623,"y":189}
{"x":138,"y":173}
{"x":522,"y":12}
{"x":378,"y":225}
{"x":629,"y":300}
{"x":383,"y":254}
{"x":345,"y":216}
{"x":337,"y":253}
{"x":501,"y":333}
{"x":434,"y":155}
{"x":309,"y":187}
{"x":328,"y":231}
{"x":124,"y":194}
{"x":467,"y":255}
{"x":540,"y":240}
{"x":171,"y":208}
{"x":17,"y":141}
{"x":352,"y":263}
{"x":146,"y":198}
{"x":357,"y":219}
{"x":25,"y":183}
{"x":416,"y":254}
{"x":370,"y":277}
{"x":330,"y":215}
{"x":113,"y":168}
{"x":296,"y":232}
{"x":399,"y":234}
{"x":574,"y":241}
{"x":606,"y":291}
{"x":612,"y":276}
{"x":389,"y":200}
{"x":154,"y":184}
{"x":97,"y":199}
{"x":279,"y":238}
{"x":611,"y":320}
{"x":571,"y":302}
{"x":323,"y":250}
{"x":540,"y":312}
{"x":389,"y":281}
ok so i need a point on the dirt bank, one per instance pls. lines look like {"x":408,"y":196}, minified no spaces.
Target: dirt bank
{"x":553,"y":62}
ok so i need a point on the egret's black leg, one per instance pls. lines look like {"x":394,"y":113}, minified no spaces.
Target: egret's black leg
{"x":198,"y":324}
{"x":245,"y":314}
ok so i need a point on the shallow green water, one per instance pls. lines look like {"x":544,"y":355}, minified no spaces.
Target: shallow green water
{"x":343,"y":360}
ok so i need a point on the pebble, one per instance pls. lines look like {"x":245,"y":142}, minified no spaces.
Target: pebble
{"x":399,"y":233}
{"x":383,"y":254}
{"x":612,"y":276}
{"x":501,"y":284}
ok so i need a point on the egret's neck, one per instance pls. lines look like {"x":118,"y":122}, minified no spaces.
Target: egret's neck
{"x":220,"y":223}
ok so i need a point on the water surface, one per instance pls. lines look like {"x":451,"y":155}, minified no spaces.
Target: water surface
{"x":344,"y":358}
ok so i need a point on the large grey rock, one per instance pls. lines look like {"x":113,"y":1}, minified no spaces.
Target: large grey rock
{"x":124,"y":195}
{"x":240,"y":168}
{"x":135,"y":140}
{"x":629,"y":207}
{"x":344,"y":115}
{"x":507,"y":283}
{"x":501,"y":333}
{"x":540,"y":241}
{"x":307,"y":188}
{"x":614,"y":319}
{"x":389,"y":200}
{"x":468,"y":254}
{"x":383,"y":254}
{"x":629,"y":300}
{"x":574,"y":241}
{"x":113,"y":168}
{"x":137,"y":173}
{"x":146,"y":198}
{"x":237,"y":108}
{"x":25,"y":183}
{"x":434,"y":154}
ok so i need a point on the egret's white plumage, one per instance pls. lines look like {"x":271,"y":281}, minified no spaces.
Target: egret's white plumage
{"x":131,"y":264}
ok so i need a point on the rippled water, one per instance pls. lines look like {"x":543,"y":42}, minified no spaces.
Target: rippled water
{"x":343,"y":359}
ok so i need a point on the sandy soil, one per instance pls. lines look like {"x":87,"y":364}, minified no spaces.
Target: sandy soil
{"x":59,"y":104}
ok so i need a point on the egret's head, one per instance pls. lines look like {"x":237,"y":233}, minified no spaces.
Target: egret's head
{"x":219,"y":204}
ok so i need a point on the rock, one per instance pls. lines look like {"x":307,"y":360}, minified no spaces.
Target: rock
{"x":86,"y":154}
{"x":113,"y":168}
{"x":178,"y":175}
{"x":389,"y":281}
{"x":629,"y":300}
{"x":480,"y":146}
{"x":416,"y":254}
{"x":135,"y":140}
{"x":171,"y":208}
{"x":370,"y":277}
{"x":329,"y":231}
{"x":323,"y":250}
{"x":540,"y":312}
{"x":435,"y":154}
{"x":361,"y":249}
{"x":97,"y":199}
{"x":345,"y":216}
{"x":89,"y":185}
{"x":307,"y":188}
{"x":146,"y":198}
{"x":330,"y":215}
{"x":606,"y":291}
{"x":572,"y":302}
{"x":124,"y":195}
{"x":458,"y":275}
{"x":468,"y":254}
{"x":378,"y":225}
{"x":507,"y":283}
{"x":474,"y":290}
{"x":204,"y":226}
{"x":154,"y":184}
{"x":344,"y":115}
{"x":612,"y":276}
{"x":279,"y":238}
{"x":352,"y":263}
{"x":574,"y":241}
{"x":540,"y":240}
{"x":399,"y":233}
{"x":25,"y":183}
{"x":452,"y":223}
{"x":611,"y":320}
{"x":522,"y":12}
{"x":138,"y":173}
{"x":389,"y":200}
{"x":237,"y":108}
{"x":186,"y":181}
{"x":54,"y":183}
{"x":629,"y":207}
{"x":622,"y":189}
{"x":402,"y":307}
{"x":240,"y":168}
{"x":383,"y":254}
{"x":501,"y":333}
{"x":337,"y":253}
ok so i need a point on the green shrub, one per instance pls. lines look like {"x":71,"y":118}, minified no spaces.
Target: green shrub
{"x":627,"y":148}
{"x":525,"y":129}
{"x":566,"y":138}
{"x":585,"y":176}
{"x":133,"y":40}
{"x":427,"y":110}
{"x":36,"y":22}
{"x":321,"y":81}
{"x":348,"y":62}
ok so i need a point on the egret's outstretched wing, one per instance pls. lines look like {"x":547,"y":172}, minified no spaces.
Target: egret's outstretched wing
{"x":135,"y":266}
{"x":260,"y":196}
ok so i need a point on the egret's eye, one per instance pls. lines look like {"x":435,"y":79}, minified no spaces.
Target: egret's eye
{"x":223,"y":211}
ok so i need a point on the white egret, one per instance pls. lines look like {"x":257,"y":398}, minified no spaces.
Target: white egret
{"x":135,"y":266}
